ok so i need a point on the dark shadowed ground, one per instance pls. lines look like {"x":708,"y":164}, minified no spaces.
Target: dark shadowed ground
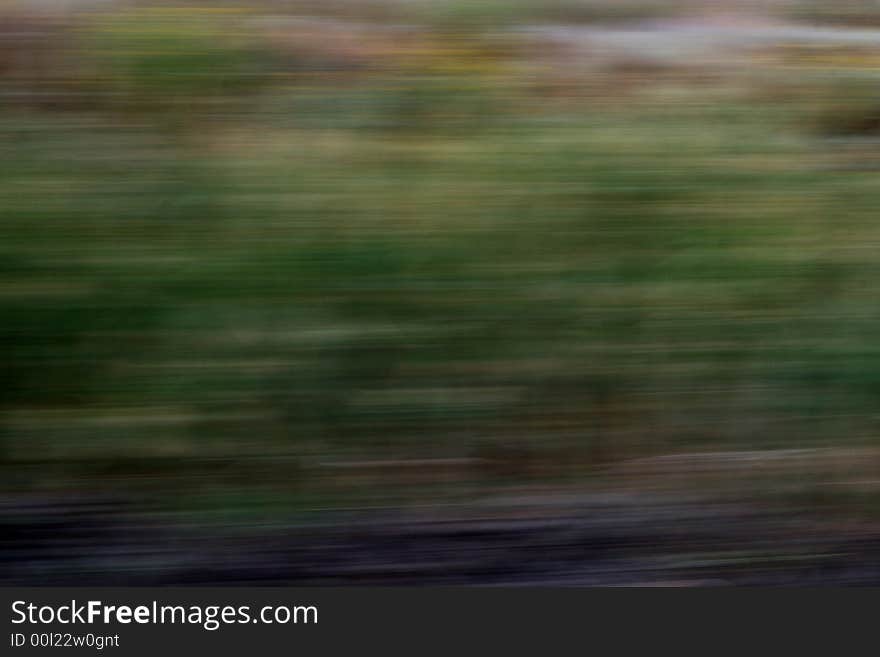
{"x":585,"y":540}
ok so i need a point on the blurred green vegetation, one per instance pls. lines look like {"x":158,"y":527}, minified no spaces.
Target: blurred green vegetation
{"x":423,"y":258}
{"x":183,"y":65}
{"x":472,"y":15}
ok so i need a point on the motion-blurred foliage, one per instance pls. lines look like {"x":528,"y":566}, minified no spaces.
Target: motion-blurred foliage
{"x":421,"y":257}
{"x":184,"y":62}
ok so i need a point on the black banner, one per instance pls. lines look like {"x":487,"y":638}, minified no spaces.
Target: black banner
{"x":323,"y":621}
